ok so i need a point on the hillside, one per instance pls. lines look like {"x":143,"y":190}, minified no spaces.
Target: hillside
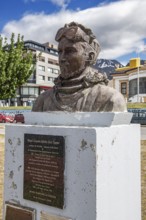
{"x":107,"y":66}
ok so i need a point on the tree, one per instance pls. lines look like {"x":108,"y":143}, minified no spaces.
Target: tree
{"x":16,"y":65}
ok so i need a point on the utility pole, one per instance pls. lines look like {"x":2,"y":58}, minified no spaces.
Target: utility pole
{"x":138,"y":70}
{"x":138,"y":79}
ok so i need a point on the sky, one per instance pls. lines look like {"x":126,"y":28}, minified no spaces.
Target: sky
{"x":119,"y":25}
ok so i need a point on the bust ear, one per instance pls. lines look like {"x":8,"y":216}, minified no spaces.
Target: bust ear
{"x":92,"y":57}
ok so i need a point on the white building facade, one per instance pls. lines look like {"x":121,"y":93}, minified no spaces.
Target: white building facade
{"x":46,"y":70}
{"x":128,"y":81}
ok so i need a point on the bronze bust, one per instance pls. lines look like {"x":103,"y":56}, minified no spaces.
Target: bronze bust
{"x":79,"y":87}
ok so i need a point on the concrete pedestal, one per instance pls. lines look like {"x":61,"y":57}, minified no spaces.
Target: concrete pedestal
{"x":102,"y":168}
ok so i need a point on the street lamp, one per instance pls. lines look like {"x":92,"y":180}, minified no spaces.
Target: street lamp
{"x":138,"y":79}
{"x":138,"y":69}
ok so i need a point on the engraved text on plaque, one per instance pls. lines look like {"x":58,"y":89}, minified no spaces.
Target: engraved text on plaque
{"x":44,"y":169}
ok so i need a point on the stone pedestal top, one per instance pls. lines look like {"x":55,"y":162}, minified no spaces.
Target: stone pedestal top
{"x":87,"y":119}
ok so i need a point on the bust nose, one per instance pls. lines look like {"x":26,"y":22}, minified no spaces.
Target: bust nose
{"x":62,"y":60}
{"x":62,"y":57}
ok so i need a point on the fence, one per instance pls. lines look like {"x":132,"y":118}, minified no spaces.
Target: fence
{"x":139,"y":116}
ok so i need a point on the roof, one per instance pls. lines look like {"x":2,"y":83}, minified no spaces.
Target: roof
{"x":47,"y":48}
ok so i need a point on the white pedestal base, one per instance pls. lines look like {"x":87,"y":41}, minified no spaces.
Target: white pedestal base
{"x":102,"y":171}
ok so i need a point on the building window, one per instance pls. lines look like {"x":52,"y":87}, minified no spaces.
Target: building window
{"x":24,"y":91}
{"x":38,"y":47}
{"x":29,"y":91}
{"x":41,"y":77}
{"x":51,"y":79}
{"x":41,"y":68}
{"x":42,"y":59}
{"x":51,"y":61}
{"x":33,"y":90}
{"x":124,"y":88}
{"x":52,"y":51}
{"x":27,"y":44}
{"x":55,"y":71}
{"x":50,"y":70}
{"x":32,"y":77}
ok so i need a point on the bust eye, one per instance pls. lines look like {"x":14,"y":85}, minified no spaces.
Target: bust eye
{"x":59,"y":51}
{"x":70,"y":50}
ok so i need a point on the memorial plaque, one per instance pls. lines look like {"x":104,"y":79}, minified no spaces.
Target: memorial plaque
{"x":14,"y":212}
{"x":44,"y":169}
{"x":46,"y":216}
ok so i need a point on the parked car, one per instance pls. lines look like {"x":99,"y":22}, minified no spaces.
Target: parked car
{"x":19,"y":118}
{"x":6,"y":118}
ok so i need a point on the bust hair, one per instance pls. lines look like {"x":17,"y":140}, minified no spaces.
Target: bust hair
{"x":89,"y":40}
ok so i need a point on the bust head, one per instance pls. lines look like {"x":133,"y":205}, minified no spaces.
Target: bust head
{"x":78,"y":48}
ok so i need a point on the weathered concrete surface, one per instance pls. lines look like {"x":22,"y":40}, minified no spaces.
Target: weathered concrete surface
{"x":99,"y":164}
{"x":143,"y":178}
{"x":143,"y":171}
{"x":87,"y":119}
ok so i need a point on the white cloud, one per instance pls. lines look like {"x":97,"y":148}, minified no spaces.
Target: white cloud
{"x":62,"y":3}
{"x":118,"y":26}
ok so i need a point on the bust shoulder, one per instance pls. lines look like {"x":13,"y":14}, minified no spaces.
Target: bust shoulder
{"x":114,"y":99}
{"x":39,"y":103}
{"x":107,"y":99}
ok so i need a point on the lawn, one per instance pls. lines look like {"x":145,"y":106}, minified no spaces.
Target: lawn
{"x":136,"y":105}
{"x":16,"y":108}
{"x":129,"y":105}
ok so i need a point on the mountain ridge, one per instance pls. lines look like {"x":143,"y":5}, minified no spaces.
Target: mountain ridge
{"x":107,"y":66}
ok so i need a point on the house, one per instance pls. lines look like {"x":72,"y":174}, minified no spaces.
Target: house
{"x":131,"y":81}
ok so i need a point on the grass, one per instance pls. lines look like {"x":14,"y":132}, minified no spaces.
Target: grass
{"x":129,"y":105}
{"x":136,"y":105}
{"x":16,"y":108}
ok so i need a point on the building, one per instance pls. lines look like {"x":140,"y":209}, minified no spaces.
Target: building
{"x":131,"y":81}
{"x":46,"y":70}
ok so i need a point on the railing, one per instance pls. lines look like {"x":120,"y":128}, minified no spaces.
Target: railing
{"x":139,"y":116}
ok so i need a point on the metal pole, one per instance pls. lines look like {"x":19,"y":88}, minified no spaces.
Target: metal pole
{"x":138,"y":81}
{"x":138,"y":72}
{"x":138,"y":84}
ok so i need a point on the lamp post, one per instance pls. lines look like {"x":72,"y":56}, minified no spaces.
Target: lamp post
{"x":138,"y":69}
{"x":138,"y":79}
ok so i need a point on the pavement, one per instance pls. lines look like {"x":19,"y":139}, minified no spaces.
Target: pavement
{"x":143,"y":132}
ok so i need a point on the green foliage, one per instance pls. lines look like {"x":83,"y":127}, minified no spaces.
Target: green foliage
{"x":16,"y":65}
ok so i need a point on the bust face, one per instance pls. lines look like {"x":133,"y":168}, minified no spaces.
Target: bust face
{"x":72,"y":58}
